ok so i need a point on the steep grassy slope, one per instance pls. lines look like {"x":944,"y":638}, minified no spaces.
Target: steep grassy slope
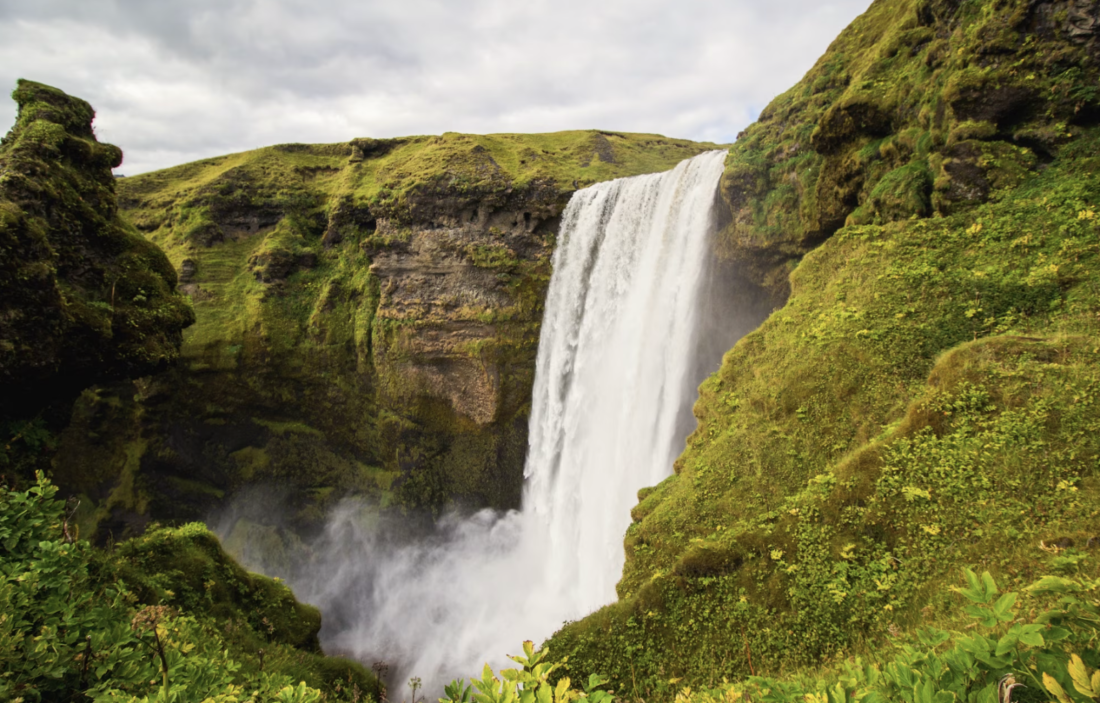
{"x":367,"y":321}
{"x":919,"y":108}
{"x":928,"y":396}
{"x":83,"y":297}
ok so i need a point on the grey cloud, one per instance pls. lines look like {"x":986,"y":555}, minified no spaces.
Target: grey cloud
{"x":174,"y":81}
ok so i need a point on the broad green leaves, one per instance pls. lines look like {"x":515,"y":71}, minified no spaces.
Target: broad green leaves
{"x":531,"y":684}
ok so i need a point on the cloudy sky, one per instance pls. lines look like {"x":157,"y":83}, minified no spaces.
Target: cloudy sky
{"x":177,"y":80}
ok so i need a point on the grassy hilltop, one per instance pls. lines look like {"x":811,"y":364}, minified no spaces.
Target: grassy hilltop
{"x":925,"y":201}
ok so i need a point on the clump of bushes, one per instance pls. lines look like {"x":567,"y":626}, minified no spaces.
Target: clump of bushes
{"x":73,"y":628}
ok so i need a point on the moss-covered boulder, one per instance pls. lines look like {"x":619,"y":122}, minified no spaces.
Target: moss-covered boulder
{"x":84,"y":298}
{"x":186,"y":567}
{"x":927,"y":398}
{"x":367,"y":322}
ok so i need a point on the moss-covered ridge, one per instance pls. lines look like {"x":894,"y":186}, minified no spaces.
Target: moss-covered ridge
{"x":83,"y":297}
{"x":927,"y":397}
{"x":918,"y":108}
{"x":367,"y":321}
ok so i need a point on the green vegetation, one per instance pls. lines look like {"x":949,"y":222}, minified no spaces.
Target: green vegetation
{"x":1030,"y":646}
{"x":537,"y":682}
{"x":919,"y":107}
{"x":165,"y":618}
{"x":922,"y":209}
{"x":926,"y":396}
{"x":83,"y":296}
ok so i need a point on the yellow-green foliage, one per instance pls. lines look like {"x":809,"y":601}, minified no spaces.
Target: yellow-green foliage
{"x":928,"y":397}
{"x":1036,"y":644}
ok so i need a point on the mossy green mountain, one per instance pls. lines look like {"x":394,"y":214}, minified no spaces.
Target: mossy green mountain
{"x":367,"y":322}
{"x":925,"y":201}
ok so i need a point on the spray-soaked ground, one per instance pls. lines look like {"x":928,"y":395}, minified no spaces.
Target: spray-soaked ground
{"x":620,"y":355}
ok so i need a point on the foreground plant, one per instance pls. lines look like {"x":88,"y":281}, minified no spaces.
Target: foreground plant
{"x":68,"y":626}
{"x":1001,"y":656}
{"x":531,"y":684}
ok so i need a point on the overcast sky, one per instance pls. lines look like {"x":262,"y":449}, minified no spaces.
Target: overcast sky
{"x":177,"y":80}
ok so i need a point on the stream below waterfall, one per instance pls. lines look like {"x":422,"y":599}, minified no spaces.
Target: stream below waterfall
{"x":633,"y":323}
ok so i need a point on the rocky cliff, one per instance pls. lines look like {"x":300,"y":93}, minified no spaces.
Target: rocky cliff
{"x":925,"y":200}
{"x":918,"y":109}
{"x":84,"y":298}
{"x":367,"y":322}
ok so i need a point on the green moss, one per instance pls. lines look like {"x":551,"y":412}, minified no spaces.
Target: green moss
{"x":282,"y":428}
{"x":221,"y":631}
{"x":266,"y":628}
{"x":84,"y":296}
{"x":186,"y":567}
{"x":905,"y":83}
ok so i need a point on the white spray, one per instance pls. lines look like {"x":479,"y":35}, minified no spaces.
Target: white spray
{"x":613,"y":378}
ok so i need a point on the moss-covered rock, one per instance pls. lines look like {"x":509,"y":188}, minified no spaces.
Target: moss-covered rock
{"x":919,"y":107}
{"x":367,"y":322}
{"x":84,"y":298}
{"x":186,"y":567}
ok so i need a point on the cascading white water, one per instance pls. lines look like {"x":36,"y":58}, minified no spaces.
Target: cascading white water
{"x":614,"y":375}
{"x":613,"y":368}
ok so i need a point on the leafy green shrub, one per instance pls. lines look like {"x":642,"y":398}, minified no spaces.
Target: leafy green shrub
{"x":534,"y":683}
{"x":69,"y":625}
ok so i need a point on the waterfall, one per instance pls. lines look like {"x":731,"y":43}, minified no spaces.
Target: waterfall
{"x":617,"y":369}
{"x":613,"y":370}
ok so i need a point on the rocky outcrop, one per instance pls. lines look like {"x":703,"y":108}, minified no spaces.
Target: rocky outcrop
{"x":84,"y":298}
{"x":917,"y":109}
{"x":367,"y":322}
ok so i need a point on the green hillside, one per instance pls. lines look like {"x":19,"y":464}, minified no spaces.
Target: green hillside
{"x":926,"y":398}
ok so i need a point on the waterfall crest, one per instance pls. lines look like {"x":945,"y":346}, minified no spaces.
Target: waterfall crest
{"x":617,"y":369}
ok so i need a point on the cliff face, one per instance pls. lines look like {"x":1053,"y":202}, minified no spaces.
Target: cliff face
{"x":926,"y":397}
{"x":84,"y":298}
{"x":367,"y":321}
